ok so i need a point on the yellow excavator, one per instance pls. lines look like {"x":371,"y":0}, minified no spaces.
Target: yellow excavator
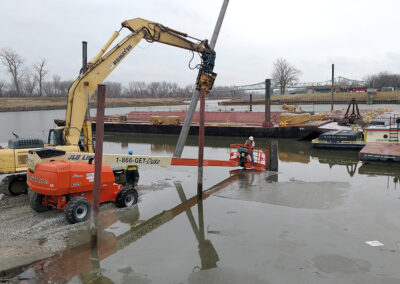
{"x":76,"y":135}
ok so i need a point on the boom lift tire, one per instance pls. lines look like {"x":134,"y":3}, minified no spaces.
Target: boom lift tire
{"x":36,"y":202}
{"x":126,"y":197}
{"x":78,"y":210}
{"x":18,"y":186}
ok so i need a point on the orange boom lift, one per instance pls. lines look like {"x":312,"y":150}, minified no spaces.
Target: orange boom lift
{"x":64,"y":180}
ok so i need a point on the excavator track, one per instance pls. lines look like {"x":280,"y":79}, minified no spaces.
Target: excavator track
{"x":14,"y":184}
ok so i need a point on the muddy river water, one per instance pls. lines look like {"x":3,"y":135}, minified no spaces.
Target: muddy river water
{"x":307,"y":223}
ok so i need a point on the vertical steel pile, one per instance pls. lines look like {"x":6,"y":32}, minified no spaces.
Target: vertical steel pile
{"x":267,"y":122}
{"x":101,"y":94}
{"x":333,"y":85}
{"x":201,"y":144}
{"x":195,"y":98}
{"x":251,"y":103}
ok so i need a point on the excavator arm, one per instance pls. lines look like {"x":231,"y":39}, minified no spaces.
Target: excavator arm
{"x":104,"y":63}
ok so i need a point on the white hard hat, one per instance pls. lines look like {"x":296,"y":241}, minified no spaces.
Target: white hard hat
{"x":251,"y":138}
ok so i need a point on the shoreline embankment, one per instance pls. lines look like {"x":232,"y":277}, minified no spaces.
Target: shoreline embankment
{"x":320,"y":98}
{"x":10,"y":104}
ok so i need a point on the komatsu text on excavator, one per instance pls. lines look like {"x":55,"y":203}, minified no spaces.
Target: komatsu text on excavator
{"x":76,"y":135}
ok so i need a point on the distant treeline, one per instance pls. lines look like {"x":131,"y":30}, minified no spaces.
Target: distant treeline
{"x":26,"y":81}
{"x":135,"y":89}
{"x":34,"y":81}
{"x":383,"y":80}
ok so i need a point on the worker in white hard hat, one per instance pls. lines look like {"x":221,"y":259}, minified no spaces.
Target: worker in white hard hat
{"x":250,"y":144}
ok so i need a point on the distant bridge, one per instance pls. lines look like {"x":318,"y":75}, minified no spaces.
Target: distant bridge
{"x":339,"y":83}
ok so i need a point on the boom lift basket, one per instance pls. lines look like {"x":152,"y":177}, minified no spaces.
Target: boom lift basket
{"x":241,"y":154}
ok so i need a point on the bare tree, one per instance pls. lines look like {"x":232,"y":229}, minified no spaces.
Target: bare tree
{"x":2,"y":88}
{"x":162,"y":89}
{"x":64,"y":86}
{"x":114,"y":89}
{"x":28,"y":84}
{"x":189,"y":89}
{"x":133,"y":89}
{"x":284,"y":74}
{"x":48,"y":88}
{"x":154,"y":89}
{"x":130,"y":90}
{"x":173,"y":89}
{"x":41,"y":73}
{"x":56,"y":85}
{"x":142,"y":88}
{"x":14,"y":63}
{"x":137,"y":89}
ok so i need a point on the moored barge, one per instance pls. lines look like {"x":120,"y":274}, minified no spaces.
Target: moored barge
{"x":340,"y":139}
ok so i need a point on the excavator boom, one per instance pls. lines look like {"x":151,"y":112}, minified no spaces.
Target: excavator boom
{"x":13,"y":160}
{"x":104,"y":63}
{"x":162,"y":34}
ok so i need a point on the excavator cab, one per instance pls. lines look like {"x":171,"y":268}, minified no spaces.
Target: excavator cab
{"x":56,"y":137}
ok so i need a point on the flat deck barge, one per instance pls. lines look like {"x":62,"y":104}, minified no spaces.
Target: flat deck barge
{"x":250,"y":118}
{"x":384,"y":152}
{"x":217,"y":124}
{"x":294,"y":132}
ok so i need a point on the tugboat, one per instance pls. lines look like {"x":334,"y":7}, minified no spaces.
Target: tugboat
{"x":386,"y":133}
{"x":340,"y":139}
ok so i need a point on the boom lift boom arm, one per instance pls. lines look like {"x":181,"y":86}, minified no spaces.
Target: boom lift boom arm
{"x":104,"y":63}
{"x":236,"y":158}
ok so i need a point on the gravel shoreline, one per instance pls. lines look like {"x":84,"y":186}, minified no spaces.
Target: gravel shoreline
{"x":27,"y":236}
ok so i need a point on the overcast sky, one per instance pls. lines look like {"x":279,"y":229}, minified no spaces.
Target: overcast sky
{"x":359,"y":36}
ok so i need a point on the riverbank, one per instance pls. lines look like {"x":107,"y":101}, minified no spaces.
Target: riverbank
{"x":52,"y":103}
{"x":319,"y":98}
